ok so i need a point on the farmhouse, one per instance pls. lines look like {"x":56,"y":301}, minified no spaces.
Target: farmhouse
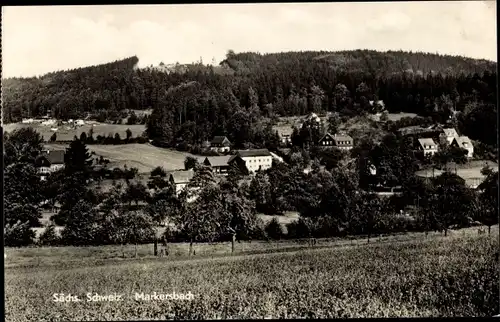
{"x":465,"y":143}
{"x":311,"y":118}
{"x":180,"y":179}
{"x":448,"y":134}
{"x":259,"y":159}
{"x":50,"y":161}
{"x":285,"y":133}
{"x":341,"y":141}
{"x":220,"y":144}
{"x":428,"y":146}
{"x":219,"y":164}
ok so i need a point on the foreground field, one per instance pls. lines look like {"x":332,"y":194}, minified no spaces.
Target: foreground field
{"x":437,"y":276}
{"x":64,"y":133}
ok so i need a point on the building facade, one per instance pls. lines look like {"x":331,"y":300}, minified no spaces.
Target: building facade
{"x":465,"y":143}
{"x":50,"y":161}
{"x":254,"y":160}
{"x":340,"y":141}
{"x":427,"y":146}
{"x":220,"y":144}
{"x":219,"y":164}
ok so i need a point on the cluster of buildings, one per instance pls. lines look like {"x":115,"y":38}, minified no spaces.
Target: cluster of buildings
{"x":47,"y":121}
{"x":339,"y":140}
{"x":429,"y":141}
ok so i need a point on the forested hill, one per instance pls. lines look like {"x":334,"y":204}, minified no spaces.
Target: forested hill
{"x":196,"y":101}
{"x":374,"y":63}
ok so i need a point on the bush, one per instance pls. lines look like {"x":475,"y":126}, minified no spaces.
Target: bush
{"x":274,"y":230}
{"x":18,"y":234}
{"x":298,"y":229}
{"x":49,"y":236}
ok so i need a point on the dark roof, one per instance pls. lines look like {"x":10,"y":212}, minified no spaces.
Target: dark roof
{"x":253,"y":153}
{"x":218,"y":139}
{"x":219,"y":161}
{"x":54,"y":156}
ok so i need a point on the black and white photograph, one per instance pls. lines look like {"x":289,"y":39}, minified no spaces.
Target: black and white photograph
{"x":250,"y":161}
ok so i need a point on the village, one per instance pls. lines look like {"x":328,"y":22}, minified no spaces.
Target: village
{"x":426,"y":141}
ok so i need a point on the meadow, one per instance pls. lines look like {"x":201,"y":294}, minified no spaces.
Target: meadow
{"x":144,"y":157}
{"x":470,"y":172}
{"x":400,"y":276}
{"x":66,"y":133}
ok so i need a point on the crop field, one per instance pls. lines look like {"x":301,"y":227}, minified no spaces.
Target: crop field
{"x":144,"y":157}
{"x":66,"y":133}
{"x":436,"y":276}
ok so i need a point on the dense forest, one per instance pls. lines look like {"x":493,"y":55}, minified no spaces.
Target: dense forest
{"x":201,"y":101}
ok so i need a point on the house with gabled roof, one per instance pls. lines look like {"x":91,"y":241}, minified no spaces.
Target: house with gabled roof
{"x":50,"y":161}
{"x":427,"y":146}
{"x":219,"y":164}
{"x":285,"y":133}
{"x":180,"y":179}
{"x":220,"y":144}
{"x":465,"y":143}
{"x":340,"y":141}
{"x":448,"y":134}
{"x":254,"y":160}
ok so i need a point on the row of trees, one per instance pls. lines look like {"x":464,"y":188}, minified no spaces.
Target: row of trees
{"x":88,"y":138}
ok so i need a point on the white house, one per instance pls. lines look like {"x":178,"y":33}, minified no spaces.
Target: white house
{"x":285,"y":133}
{"x":180,"y":179}
{"x":255,"y":159}
{"x":220,"y":144}
{"x":449,"y":134}
{"x":465,"y":143}
{"x":50,"y":161}
{"x":428,"y":146}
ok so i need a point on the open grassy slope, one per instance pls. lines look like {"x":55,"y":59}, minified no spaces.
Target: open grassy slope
{"x":144,"y":157}
{"x":413,"y":276}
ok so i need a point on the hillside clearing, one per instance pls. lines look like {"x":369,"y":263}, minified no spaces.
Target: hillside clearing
{"x":144,"y":157}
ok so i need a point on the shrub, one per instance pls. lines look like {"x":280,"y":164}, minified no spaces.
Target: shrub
{"x":274,"y":230}
{"x":49,"y":236}
{"x":18,"y":234}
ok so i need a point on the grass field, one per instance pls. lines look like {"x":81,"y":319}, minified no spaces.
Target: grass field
{"x":144,"y":157}
{"x":470,"y":172}
{"x":66,"y":134}
{"x":404,"y":276}
{"x":398,"y":116}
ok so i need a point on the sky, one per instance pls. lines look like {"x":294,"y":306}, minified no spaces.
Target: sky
{"x":41,"y":39}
